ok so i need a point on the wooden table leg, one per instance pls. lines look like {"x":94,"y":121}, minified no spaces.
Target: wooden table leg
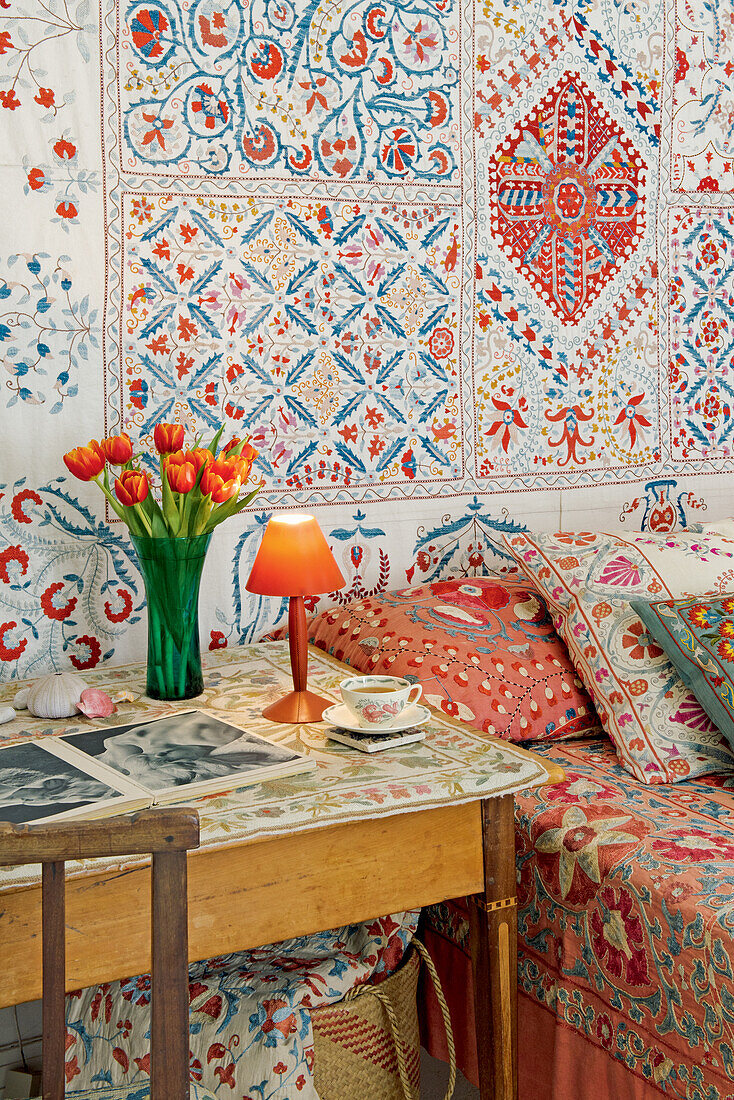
{"x":493,"y":921}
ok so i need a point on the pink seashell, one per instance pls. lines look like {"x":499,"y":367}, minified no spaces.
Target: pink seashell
{"x":95,"y":703}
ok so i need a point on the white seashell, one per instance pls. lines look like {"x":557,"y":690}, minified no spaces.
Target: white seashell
{"x":57,"y":695}
{"x":20,"y":702}
{"x":7,"y":714}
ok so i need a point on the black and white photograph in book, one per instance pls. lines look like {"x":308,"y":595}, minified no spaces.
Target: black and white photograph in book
{"x":34,"y":784}
{"x":180,"y":749}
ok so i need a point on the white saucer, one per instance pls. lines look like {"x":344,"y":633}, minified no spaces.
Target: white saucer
{"x":340,"y":715}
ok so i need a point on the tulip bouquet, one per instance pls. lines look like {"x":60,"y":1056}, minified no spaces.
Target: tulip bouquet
{"x":170,"y":531}
{"x":199,"y":488}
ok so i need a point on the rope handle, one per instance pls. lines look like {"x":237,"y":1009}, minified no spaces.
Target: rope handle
{"x":390,"y":1012}
{"x":438,"y":990}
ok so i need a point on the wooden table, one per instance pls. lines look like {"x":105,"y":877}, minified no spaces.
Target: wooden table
{"x":257,"y":879}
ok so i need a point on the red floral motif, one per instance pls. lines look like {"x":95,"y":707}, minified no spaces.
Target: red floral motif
{"x":226,"y":1074}
{"x":577,"y":786}
{"x":286,"y":1025}
{"x":9,"y":100}
{"x":441,"y":343}
{"x":694,"y":846}
{"x":125,"y":599}
{"x":102,"y":999}
{"x":158,"y":126}
{"x":148,"y":27}
{"x":217,"y":640}
{"x":137,"y":991}
{"x":266,"y":61}
{"x":215,"y":111}
{"x":577,"y":538}
{"x":604,"y":1030}
{"x":681,"y":65}
{"x":64,"y":150}
{"x":45,"y":97}
{"x":36,"y":179}
{"x":17,"y":505}
{"x":88,"y":652}
{"x":634,"y":417}
{"x":578,"y":846}
{"x":54,"y":608}
{"x":10,"y":648}
{"x":71,"y":1069}
{"x":66,"y":210}
{"x":639,"y":643}
{"x":505,"y":427}
{"x":13,"y":554}
{"x":618,"y":937}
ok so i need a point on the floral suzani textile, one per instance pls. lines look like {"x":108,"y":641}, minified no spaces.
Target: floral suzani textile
{"x":624,"y":921}
{"x":250,"y":1016}
{"x":288,"y":87}
{"x":440,"y":259}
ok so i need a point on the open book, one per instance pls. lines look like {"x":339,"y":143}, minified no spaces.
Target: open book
{"x":100,"y":772}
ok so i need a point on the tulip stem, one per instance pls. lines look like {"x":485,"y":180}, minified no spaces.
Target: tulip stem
{"x":140,"y":514}
{"x":112,"y":502}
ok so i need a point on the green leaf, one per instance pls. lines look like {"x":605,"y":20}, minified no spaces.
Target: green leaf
{"x":215,"y":442}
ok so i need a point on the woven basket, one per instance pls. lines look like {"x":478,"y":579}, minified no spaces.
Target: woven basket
{"x":367,"y":1046}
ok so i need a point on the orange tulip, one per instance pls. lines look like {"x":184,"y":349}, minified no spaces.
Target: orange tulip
{"x":131,"y":487}
{"x":221,"y":480}
{"x":118,"y":449}
{"x":168,"y":438}
{"x":244,"y":461}
{"x":200,"y":457}
{"x":234,"y":442}
{"x":181,"y":472}
{"x":86,"y":462}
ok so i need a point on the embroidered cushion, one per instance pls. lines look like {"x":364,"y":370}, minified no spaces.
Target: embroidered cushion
{"x":659,"y":728}
{"x":484,"y":650}
{"x":698,"y":637}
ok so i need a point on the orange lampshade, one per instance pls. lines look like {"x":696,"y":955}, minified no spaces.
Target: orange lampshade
{"x":294,"y":560}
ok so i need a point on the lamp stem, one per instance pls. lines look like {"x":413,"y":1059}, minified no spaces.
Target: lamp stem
{"x":299,"y":705}
{"x":298,"y":642}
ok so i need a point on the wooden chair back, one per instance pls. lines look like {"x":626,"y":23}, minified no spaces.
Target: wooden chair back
{"x":166,"y":835}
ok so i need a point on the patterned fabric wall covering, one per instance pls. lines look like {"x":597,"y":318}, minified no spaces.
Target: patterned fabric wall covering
{"x":453,"y":265}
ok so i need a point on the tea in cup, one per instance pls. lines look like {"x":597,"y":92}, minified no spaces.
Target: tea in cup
{"x":377,"y":701}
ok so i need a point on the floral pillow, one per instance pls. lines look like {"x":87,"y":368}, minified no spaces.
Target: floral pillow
{"x":484,"y":650}
{"x":698,"y":637}
{"x":659,"y":728}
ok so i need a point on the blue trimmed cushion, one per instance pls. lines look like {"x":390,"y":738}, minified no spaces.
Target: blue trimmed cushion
{"x":697,"y":635}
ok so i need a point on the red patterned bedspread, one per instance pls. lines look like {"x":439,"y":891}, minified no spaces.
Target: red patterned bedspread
{"x":626,"y":912}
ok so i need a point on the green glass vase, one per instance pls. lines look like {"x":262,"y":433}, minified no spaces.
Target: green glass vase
{"x":171,"y":570}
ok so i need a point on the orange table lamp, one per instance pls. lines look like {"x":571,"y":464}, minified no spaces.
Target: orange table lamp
{"x":294,"y":560}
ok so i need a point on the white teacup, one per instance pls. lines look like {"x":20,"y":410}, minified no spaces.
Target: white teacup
{"x":377,"y":701}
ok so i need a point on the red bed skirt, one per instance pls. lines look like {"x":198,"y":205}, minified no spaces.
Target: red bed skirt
{"x":553,"y":1060}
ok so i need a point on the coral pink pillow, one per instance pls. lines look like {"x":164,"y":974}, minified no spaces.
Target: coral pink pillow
{"x":484,"y":650}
